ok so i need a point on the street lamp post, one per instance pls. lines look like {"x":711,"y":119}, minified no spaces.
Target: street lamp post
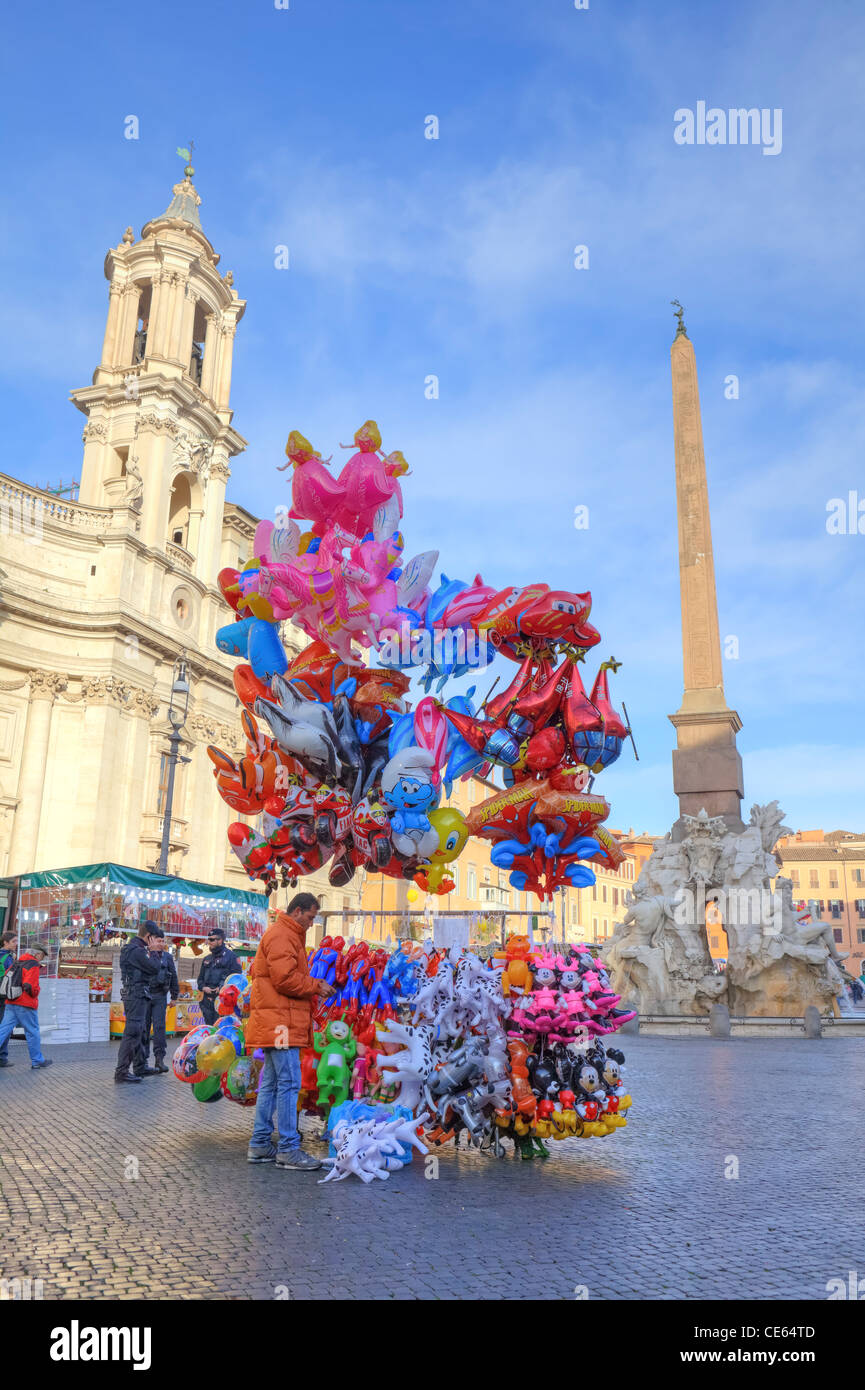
{"x":177,"y":709}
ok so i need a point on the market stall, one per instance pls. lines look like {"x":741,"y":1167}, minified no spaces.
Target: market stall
{"x":81,"y":917}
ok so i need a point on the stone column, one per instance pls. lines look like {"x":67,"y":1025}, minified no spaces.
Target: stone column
{"x":208,"y":554}
{"x":222,"y":388}
{"x":127,"y":325}
{"x":707,"y":768}
{"x":160,"y":315}
{"x":112,"y":324}
{"x":175,"y":336}
{"x":211,"y":342}
{"x":44,"y":687}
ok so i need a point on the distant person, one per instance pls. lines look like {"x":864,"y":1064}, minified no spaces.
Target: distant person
{"x":21,"y":983}
{"x":7,"y":955}
{"x":164,"y":984}
{"x":216,"y":967}
{"x":138,"y":970}
{"x":280,"y":1022}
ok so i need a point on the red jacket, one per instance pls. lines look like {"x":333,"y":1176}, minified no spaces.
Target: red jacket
{"x":30,"y":980}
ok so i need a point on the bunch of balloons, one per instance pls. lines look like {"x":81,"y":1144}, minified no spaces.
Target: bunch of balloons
{"x":418,"y":1047}
{"x":212,"y":1059}
{"x":372,"y":1141}
{"x":337,"y":766}
{"x":526,"y":1065}
{"x":564,"y":1081}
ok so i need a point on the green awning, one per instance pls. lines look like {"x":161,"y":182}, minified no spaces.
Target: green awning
{"x":141,"y":878}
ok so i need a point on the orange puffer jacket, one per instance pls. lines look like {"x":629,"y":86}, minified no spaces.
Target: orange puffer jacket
{"x":280,"y":1010}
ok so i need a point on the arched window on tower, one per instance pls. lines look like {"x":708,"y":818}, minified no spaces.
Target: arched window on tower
{"x":199,"y":333}
{"x":178,"y":511}
{"x":142,"y":325}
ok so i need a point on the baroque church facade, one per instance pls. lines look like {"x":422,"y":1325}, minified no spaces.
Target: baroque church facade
{"x":100,"y":596}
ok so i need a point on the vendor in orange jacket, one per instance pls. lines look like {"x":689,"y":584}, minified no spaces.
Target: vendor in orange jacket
{"x":280,"y":1023}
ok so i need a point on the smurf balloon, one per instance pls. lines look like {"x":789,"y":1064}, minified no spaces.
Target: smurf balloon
{"x":410,"y":789}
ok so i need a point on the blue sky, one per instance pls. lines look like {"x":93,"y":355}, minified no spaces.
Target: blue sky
{"x":454,"y":257}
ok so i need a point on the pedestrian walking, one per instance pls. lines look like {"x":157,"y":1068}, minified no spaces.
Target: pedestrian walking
{"x":216,"y":967}
{"x":7,"y":955}
{"x":164,"y":985}
{"x":138,"y":970}
{"x":280,"y":1022}
{"x":20,"y":986}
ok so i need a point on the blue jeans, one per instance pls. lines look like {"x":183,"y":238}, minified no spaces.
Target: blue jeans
{"x":279,"y":1090}
{"x":14,"y":1016}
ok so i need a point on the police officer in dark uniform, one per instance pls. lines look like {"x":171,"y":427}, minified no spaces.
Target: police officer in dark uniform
{"x":164,"y":984}
{"x":138,"y":970}
{"x":216,"y":967}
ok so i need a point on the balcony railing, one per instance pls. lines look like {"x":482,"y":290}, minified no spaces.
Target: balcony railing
{"x":23,"y":507}
{"x":179,"y":556}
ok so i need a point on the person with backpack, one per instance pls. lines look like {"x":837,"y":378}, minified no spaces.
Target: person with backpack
{"x":7,"y":955}
{"x":19,"y":989}
{"x":165,"y":983}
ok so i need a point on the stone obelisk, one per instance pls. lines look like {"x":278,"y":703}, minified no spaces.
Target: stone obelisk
{"x":707,"y":767}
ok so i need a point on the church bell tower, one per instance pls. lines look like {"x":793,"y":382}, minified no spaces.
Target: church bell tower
{"x":158,"y":433}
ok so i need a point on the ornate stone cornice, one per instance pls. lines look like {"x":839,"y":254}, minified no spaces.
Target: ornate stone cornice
{"x":152,"y":421}
{"x":207,"y":729}
{"x":108,"y":690}
{"x":94,"y":429}
{"x":46,"y":685}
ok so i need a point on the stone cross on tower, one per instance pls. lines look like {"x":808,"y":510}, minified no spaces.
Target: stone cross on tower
{"x":707,"y":767}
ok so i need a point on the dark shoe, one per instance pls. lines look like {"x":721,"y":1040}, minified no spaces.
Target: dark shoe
{"x":298,"y":1161}
{"x":37,"y":1066}
{"x":148,"y":1071}
{"x":261,"y":1155}
{"x":4,"y":1063}
{"x":161,"y":1067}
{"x":126,"y":1076}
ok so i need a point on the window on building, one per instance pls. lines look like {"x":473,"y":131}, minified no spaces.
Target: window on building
{"x":857,"y":875}
{"x":615,"y":897}
{"x":603,"y":892}
{"x":455,"y":875}
{"x":573,"y":914}
{"x":860,"y":935}
{"x":835,"y":906}
{"x":471,"y":791}
{"x":860,"y":907}
{"x":488,"y":876}
{"x":472,"y":882}
{"x":833,"y":878}
{"x":594,"y":892}
{"x":813,"y":878}
{"x":838,"y":934}
{"x":179,"y":508}
{"x":594,"y":928}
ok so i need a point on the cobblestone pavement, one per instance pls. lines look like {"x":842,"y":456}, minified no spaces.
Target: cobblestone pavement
{"x":647,"y":1213}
